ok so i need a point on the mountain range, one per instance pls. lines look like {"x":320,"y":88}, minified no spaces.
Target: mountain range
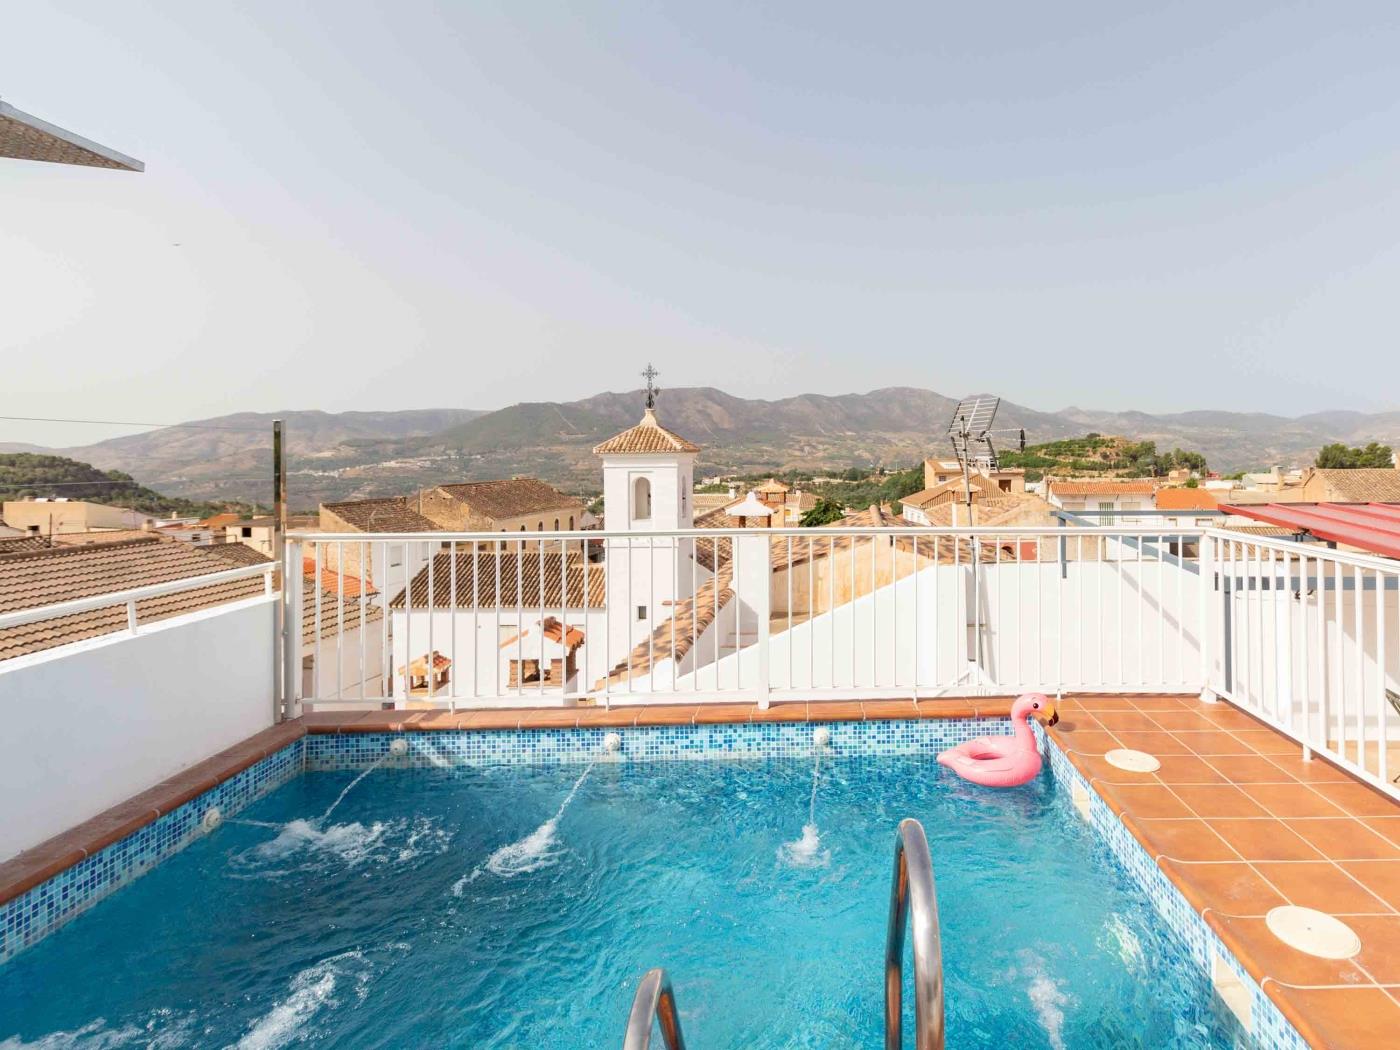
{"x":353,"y":454}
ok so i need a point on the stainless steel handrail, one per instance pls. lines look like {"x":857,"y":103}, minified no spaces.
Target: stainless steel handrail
{"x":654,"y":1001}
{"x":912,"y":898}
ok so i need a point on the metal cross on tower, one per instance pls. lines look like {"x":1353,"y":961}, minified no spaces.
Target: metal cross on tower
{"x":649,"y":374}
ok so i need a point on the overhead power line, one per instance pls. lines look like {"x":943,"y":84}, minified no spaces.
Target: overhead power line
{"x":136,"y":423}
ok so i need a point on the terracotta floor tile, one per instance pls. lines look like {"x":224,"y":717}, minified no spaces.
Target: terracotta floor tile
{"x":787,"y":711}
{"x":1130,"y":720}
{"x":1230,"y":887}
{"x":1263,"y":839}
{"x":1085,"y":741}
{"x":1187,"y":769}
{"x":1249,"y":938}
{"x":1381,"y":877}
{"x":1291,"y":800}
{"x":1227,"y":717}
{"x":1214,"y":742}
{"x":1096,"y":767}
{"x":42,"y":862}
{"x":1217,"y":800}
{"x":722,"y":714}
{"x":666,"y":715}
{"x":993,"y":708}
{"x":1154,"y":743}
{"x":890,"y":709}
{"x":955,"y":707}
{"x":1321,"y":885}
{"x":1314,"y":771}
{"x":1164,"y":703}
{"x":1103,"y":703}
{"x":1145,"y":801}
{"x":1380,"y":946}
{"x":1267,"y":742}
{"x":1189,"y":839}
{"x":1387,"y":828}
{"x":604,"y":717}
{"x":1079,"y":722}
{"x":1342,"y":1018}
{"x":1345,"y":839}
{"x":548,"y":717}
{"x":1184,"y":720}
{"x":1358,"y":800}
{"x":501,"y":718}
{"x":835,"y":711}
{"x":1249,"y":769}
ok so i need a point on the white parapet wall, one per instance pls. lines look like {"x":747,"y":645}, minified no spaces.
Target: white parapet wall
{"x":91,"y":724}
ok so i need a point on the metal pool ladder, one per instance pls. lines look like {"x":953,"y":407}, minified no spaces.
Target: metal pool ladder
{"x":654,"y":1001}
{"x":912,"y":903}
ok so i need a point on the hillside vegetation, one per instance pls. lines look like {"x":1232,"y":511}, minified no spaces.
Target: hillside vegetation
{"x":25,"y":475}
{"x":1099,"y":454}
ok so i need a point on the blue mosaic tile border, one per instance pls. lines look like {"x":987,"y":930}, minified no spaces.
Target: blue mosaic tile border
{"x":340,"y":751}
{"x":36,"y":913}
{"x":1271,"y":1030}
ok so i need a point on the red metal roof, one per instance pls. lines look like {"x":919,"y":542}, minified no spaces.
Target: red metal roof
{"x":1373,"y":527}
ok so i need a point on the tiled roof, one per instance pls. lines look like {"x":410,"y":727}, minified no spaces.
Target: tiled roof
{"x":773,"y":485}
{"x":333,"y":612}
{"x":81,"y":539}
{"x":676,"y":635}
{"x":511,"y":497}
{"x":1186,"y":499}
{"x":63,"y":574}
{"x":16,"y":544}
{"x":333,"y":577}
{"x":1104,"y":487}
{"x":378,"y":515}
{"x":218,"y":521}
{"x":553,"y":630}
{"x":950,"y":490}
{"x":648,"y":436}
{"x":236,"y":554}
{"x":519,"y":576}
{"x":1364,"y":485}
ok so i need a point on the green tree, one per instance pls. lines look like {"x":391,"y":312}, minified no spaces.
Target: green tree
{"x":1340,"y":456}
{"x":824,"y":513}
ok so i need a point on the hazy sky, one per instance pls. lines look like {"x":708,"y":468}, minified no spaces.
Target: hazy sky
{"x":411,"y":205}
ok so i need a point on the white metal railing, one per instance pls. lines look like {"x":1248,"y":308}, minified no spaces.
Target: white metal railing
{"x":1309,"y":642}
{"x":131,"y":596}
{"x":461,"y":619}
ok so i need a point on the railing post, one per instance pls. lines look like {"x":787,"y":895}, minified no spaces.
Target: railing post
{"x":1207,"y":580}
{"x":290,"y":607}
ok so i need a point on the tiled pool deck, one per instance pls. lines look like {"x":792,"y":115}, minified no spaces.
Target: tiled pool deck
{"x":1234,"y":818}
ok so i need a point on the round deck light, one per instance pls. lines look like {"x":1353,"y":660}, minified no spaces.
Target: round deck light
{"x":1313,"y":932}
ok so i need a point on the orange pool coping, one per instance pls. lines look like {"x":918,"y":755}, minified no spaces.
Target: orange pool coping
{"x":1234,"y":817}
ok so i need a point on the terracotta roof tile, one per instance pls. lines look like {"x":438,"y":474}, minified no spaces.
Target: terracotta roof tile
{"x":519,"y":576}
{"x":1104,"y":487}
{"x":61,"y":574}
{"x":674,"y":638}
{"x":392,"y":514}
{"x":648,"y":436}
{"x":334,"y":613}
{"x":511,"y":497}
{"x":1364,"y":485}
{"x":1186,"y":499}
{"x":236,"y":554}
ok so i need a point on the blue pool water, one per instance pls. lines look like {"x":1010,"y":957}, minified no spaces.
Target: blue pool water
{"x":402,"y":921}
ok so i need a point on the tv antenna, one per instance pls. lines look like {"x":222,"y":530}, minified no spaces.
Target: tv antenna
{"x":974,"y":444}
{"x":972,"y":436}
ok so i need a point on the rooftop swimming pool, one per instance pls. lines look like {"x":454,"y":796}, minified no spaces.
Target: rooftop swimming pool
{"x":519,"y":905}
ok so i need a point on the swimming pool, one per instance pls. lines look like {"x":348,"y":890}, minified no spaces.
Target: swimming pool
{"x":441,"y":907}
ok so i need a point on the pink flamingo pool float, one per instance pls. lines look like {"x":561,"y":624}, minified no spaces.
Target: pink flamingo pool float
{"x":1004,"y":761}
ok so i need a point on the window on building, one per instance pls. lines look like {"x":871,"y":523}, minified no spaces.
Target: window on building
{"x":539,"y":526}
{"x":571,"y":522}
{"x":641,"y":612}
{"x":556,"y":524}
{"x":1106,"y":518}
{"x":1004,"y":484}
{"x":247,"y":532}
{"x":641,"y":499}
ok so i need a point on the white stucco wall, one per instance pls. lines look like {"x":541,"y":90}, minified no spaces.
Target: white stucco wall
{"x":91,"y":724}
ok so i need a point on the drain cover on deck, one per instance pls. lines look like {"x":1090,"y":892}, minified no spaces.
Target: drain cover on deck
{"x":1133,"y":761}
{"x":1314,"y":932}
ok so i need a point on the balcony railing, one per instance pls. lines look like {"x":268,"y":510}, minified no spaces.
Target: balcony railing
{"x":446,"y":620}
